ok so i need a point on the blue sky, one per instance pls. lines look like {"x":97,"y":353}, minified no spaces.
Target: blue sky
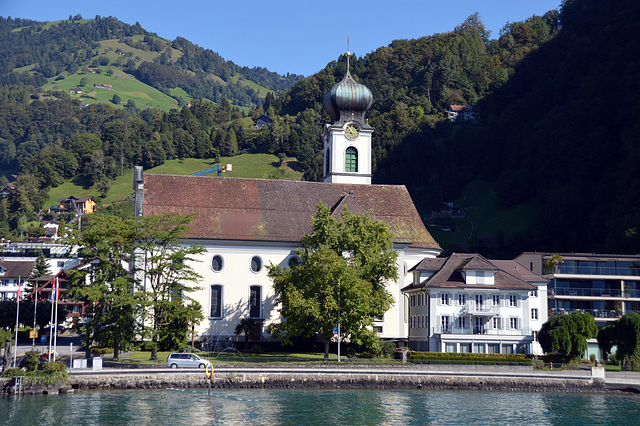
{"x":299,"y":37}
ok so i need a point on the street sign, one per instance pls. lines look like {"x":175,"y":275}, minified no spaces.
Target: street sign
{"x":43,"y":338}
{"x":33,"y":334}
{"x":335,"y":330}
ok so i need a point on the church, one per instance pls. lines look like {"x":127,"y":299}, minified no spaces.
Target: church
{"x":246,"y":224}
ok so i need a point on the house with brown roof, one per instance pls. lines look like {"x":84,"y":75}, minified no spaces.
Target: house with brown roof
{"x":467,"y":303}
{"x":13,"y":273}
{"x":464,"y":112}
{"x":245,"y":224}
{"x":85,"y":205}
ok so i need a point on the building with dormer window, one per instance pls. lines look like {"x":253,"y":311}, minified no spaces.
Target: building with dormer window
{"x":466,"y":303}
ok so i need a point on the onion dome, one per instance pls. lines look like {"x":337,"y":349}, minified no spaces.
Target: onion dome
{"x":348,"y":100}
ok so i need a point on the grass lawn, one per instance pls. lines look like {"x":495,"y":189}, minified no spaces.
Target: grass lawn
{"x":144,"y":96}
{"x":244,"y":166}
{"x":142,"y":357}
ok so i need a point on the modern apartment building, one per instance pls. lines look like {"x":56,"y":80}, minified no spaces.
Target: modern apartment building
{"x":606,"y":286}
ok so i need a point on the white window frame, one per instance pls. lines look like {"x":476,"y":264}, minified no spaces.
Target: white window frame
{"x":513,"y":323}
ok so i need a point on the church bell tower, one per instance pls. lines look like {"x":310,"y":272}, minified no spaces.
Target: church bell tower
{"x":347,"y":139}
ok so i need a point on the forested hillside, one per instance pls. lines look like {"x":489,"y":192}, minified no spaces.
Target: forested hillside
{"x":557,"y":133}
{"x":32,"y":52}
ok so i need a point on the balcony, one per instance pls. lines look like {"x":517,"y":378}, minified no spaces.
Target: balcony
{"x":482,"y":331}
{"x":596,"y":313}
{"x":471,"y":308}
{"x":592,"y":270}
{"x":591,"y":292}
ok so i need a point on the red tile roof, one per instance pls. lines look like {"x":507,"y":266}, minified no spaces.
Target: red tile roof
{"x":277,"y":210}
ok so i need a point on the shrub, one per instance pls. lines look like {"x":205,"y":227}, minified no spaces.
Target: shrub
{"x":13,"y":372}
{"x":101,"y":351}
{"x":470,"y":357}
{"x":31,"y":360}
{"x":50,"y":367}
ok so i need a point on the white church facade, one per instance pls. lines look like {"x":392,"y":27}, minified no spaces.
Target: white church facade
{"x":246,"y":224}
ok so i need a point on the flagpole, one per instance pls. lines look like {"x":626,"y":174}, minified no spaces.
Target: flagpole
{"x":15,"y":352}
{"x":55,"y":319}
{"x":35,"y":313}
{"x":51,"y":321}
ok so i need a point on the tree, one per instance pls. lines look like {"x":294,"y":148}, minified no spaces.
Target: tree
{"x":625,"y":335}
{"x":116,"y":99}
{"x":567,"y":334}
{"x":107,"y":244}
{"x":167,"y":271}
{"x":245,"y":326}
{"x":341,"y":279}
{"x":41,"y":266}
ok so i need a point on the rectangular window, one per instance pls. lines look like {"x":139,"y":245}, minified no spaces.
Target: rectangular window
{"x":465,"y":347}
{"x":493,"y":348}
{"x":216,"y":302}
{"x":479,"y":300}
{"x":495,"y":322}
{"x":462,"y":322}
{"x":534,"y":314}
{"x":513,"y":323}
{"x":450,"y":347}
{"x":255,"y":301}
{"x":496,"y":300}
{"x":444,"y":298}
{"x":479,"y":348}
{"x":413,"y":300}
{"x":445,"y":324}
{"x":507,"y":349}
{"x":377,"y":329}
{"x":462,"y":299}
{"x":513,"y":300}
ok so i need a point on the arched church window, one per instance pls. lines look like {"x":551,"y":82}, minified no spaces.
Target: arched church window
{"x":351,"y":160}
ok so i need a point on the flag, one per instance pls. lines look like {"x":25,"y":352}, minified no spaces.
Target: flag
{"x":18,"y":297}
{"x":54,"y":296}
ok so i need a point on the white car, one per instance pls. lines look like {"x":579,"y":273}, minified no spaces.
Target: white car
{"x":186,"y":360}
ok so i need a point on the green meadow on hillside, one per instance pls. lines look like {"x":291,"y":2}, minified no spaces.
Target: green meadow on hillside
{"x":244,"y":166}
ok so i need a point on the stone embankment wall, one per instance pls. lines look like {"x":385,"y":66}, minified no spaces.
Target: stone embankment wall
{"x":319,"y":380}
{"x":405,"y":377}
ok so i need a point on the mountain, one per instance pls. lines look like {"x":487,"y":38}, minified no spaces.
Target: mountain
{"x":75,"y":52}
{"x":551,"y":164}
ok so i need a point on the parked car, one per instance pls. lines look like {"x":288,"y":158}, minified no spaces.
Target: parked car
{"x":186,"y":360}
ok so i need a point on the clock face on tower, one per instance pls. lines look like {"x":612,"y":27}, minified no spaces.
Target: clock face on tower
{"x":351,"y":132}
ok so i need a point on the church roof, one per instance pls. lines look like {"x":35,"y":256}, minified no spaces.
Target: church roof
{"x":277,"y":210}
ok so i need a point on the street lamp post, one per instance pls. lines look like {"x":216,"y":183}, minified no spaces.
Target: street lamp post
{"x":339,"y":319}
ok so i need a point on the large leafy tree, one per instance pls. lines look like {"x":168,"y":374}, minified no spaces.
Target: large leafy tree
{"x":342,"y":276}
{"x":168,"y":275}
{"x":625,"y":335}
{"x":567,"y":334}
{"x":107,"y":245}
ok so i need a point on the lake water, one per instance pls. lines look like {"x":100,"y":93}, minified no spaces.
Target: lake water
{"x":313,"y":406}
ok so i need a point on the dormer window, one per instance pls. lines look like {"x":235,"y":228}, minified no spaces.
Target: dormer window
{"x":479,"y":277}
{"x":2,"y":270}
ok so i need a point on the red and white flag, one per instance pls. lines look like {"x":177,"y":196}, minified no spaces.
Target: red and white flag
{"x":18,"y":297}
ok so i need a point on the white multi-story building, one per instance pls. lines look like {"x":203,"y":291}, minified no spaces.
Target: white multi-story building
{"x":246,"y":224}
{"x":466,"y":303}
